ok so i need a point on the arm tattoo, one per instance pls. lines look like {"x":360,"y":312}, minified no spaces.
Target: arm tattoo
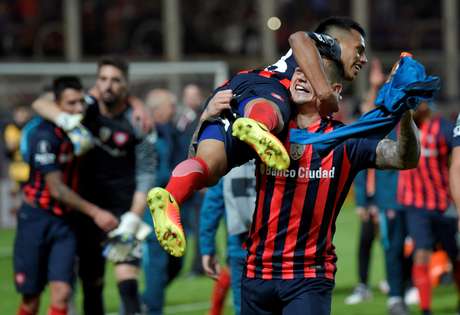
{"x":64,"y":194}
{"x":403,"y":153}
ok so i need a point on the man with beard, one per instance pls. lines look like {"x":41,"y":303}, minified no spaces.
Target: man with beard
{"x":45,"y":245}
{"x":115,"y":175}
{"x":262,"y":101}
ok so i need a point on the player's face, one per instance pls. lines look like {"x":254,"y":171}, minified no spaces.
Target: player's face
{"x":353,"y":49}
{"x":111,"y":84}
{"x":301,"y":89}
{"x":72,"y":101}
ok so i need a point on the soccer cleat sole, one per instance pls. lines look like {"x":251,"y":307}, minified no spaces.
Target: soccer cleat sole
{"x":269,"y":148}
{"x":169,"y":234}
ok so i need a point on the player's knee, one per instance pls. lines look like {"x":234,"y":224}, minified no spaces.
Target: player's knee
{"x":60,"y":294}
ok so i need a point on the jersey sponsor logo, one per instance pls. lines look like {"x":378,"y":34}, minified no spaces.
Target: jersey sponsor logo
{"x":120,"y":138}
{"x":43,"y":155}
{"x":105,"y":133}
{"x":296,"y":150}
{"x":301,"y":172}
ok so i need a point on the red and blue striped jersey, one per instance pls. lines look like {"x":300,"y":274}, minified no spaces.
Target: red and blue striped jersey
{"x":50,"y":150}
{"x":296,"y":209}
{"x":427,"y":186}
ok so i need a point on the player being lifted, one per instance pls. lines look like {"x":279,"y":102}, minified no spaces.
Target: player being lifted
{"x":45,"y":245}
{"x":262,"y":102}
{"x":291,"y":259}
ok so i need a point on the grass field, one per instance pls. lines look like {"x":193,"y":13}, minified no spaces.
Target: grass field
{"x":190,"y":295}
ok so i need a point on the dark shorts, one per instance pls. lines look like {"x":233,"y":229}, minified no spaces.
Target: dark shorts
{"x":44,"y":250}
{"x":311,"y":296}
{"x":428,"y":227}
{"x":246,"y":87}
{"x":252,"y":85}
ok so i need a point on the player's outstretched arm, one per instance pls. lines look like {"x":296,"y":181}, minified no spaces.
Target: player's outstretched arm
{"x":403,"y":153}
{"x":59,"y":191}
{"x":309,"y":60}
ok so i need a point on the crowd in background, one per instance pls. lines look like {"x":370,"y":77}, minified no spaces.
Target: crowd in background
{"x":33,"y":27}
{"x":175,"y":118}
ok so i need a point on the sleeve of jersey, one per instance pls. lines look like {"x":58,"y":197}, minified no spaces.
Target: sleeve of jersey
{"x":146,"y":163}
{"x":456,"y":133}
{"x":45,"y":152}
{"x":360,"y":189}
{"x":362,"y":152}
{"x":212,"y":210}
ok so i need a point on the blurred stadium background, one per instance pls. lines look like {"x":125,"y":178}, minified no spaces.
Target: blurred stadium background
{"x":171,"y":43}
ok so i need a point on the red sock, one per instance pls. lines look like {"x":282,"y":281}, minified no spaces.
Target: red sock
{"x":53,"y":310}
{"x":189,"y":176}
{"x":264,"y":112}
{"x":219,"y":292}
{"x":23,"y":311}
{"x":421,"y":278}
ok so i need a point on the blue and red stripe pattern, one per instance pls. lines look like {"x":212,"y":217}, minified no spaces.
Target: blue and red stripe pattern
{"x":296,"y":209}
{"x":427,"y":186}
{"x":50,"y":150}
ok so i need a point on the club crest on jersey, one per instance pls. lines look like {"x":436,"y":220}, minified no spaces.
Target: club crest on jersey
{"x":120,"y":138}
{"x":104,"y":134}
{"x":296,"y":150}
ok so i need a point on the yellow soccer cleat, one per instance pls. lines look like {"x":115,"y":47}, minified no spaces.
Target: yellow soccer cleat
{"x":270,"y":149}
{"x":166,"y":220}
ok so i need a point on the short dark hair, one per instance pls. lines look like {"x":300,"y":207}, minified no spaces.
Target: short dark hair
{"x":65,"y":82}
{"x":342,"y":22}
{"x":116,"y":62}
